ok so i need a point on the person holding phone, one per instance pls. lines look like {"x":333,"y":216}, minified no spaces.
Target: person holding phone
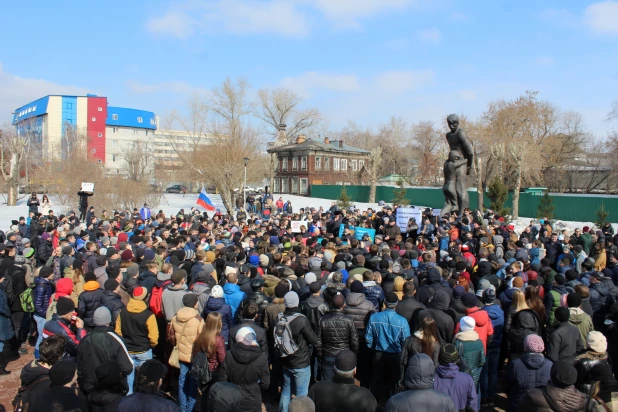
{"x":66,"y":323}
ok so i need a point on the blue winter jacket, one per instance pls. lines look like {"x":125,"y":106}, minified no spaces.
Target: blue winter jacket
{"x":496,"y":314}
{"x":233,"y":296}
{"x":387,"y":331}
{"x":374,"y":294}
{"x":41,"y":295}
{"x":530,"y":371}
{"x":153,"y":401}
{"x":458,"y":385}
{"x":6,"y":324}
{"x":219,"y":305}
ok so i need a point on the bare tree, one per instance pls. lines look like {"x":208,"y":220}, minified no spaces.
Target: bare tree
{"x":428,"y":145}
{"x":138,"y":162}
{"x":375,"y":160}
{"x":282,"y":106}
{"x":14,"y":144}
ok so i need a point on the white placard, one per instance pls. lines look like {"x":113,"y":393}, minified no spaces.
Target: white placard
{"x":403,"y":217}
{"x":296,"y":224}
{"x":436,"y":212}
{"x":87,"y":187}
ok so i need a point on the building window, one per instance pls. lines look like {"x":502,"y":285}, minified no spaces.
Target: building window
{"x":344,"y":164}
{"x":303,"y":163}
{"x":100,"y":109}
{"x":146,"y":132}
{"x":361,"y":164}
{"x":277,"y":185}
{"x":284,"y":164}
{"x":114,"y":158}
{"x":318,"y":163}
{"x":354,"y":164}
{"x":134,"y":131}
{"x":99,"y":161}
{"x":335,"y":164}
{"x":294,"y":163}
{"x":114,"y":143}
{"x":294,"y":185}
{"x":284,"y":185}
{"x":114,"y":117}
{"x":100,"y":134}
{"x":327,"y":163}
{"x":304,"y":183}
{"x":114,"y":130}
{"x":140,"y":120}
{"x":94,"y":119}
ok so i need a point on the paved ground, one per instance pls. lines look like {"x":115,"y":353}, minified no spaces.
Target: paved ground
{"x":10,"y":383}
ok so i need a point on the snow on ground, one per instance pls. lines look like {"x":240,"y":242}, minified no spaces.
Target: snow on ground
{"x":171,"y":203}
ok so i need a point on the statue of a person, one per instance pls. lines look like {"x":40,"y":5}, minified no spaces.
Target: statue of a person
{"x":456,"y":168}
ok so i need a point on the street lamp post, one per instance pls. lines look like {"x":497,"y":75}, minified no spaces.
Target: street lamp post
{"x":244,"y":187}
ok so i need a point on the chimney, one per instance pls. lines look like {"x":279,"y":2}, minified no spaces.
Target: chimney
{"x":341,"y":144}
{"x":282,"y":139}
{"x":282,"y":126}
{"x":326,"y":140}
{"x":300,"y":139}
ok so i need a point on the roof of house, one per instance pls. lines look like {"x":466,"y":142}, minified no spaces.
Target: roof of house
{"x":310,"y":144}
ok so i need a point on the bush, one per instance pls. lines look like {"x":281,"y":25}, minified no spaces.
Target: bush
{"x":401,"y":195}
{"x":602,"y":215}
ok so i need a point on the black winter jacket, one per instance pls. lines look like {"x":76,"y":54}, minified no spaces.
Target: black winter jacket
{"x":336,"y":332}
{"x":16,"y":275}
{"x":342,"y":395}
{"x":314,"y":308}
{"x":409,"y":307}
{"x":444,"y":322}
{"x":525,"y":322}
{"x":260,"y":334}
{"x":260,"y":299}
{"x":303,"y":336}
{"x":113,"y":302}
{"x":96,"y":348}
{"x":420,"y":395}
{"x":564,"y":343}
{"x":87,"y":303}
{"x":528,"y":372}
{"x":247,"y":367}
{"x":151,"y":401}
{"x":360,"y":309}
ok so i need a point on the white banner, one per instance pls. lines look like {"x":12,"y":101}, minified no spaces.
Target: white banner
{"x":436,"y":212}
{"x":87,"y":187}
{"x":404,"y":214}
{"x":296,"y":224}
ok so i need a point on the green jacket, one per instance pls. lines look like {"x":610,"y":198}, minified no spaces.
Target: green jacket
{"x":473,"y":353}
{"x":582,"y":321}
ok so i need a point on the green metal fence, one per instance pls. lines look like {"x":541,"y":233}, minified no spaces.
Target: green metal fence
{"x":567,"y":207}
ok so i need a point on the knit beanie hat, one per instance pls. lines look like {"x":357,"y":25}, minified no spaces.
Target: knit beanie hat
{"x":469,"y":300}
{"x":574,"y":300}
{"x":345,"y":361}
{"x":62,"y":372}
{"x":534,"y":343}
{"x":562,"y":314}
{"x":301,"y":404}
{"x":281,"y":289}
{"x":563,"y":373}
{"x":357,"y":287}
{"x":217,"y":292}
{"x":314,"y":288}
{"x":458,"y":292}
{"x":467,"y":324}
{"x":189,"y":300}
{"x":64,"y":305}
{"x":140,"y":292}
{"x":391,"y":300}
{"x":126,"y":255}
{"x":489,"y":295}
{"x":110,"y":284}
{"x":596,"y":341}
{"x":291,"y":300}
{"x":448,"y":354}
{"x":264,"y":260}
{"x":102,"y":316}
{"x":310,"y":277}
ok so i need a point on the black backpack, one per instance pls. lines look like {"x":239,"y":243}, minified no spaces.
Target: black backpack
{"x":200,"y":371}
{"x":21,"y":401}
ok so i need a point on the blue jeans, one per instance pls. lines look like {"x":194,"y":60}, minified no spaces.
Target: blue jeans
{"x":138,"y":359}
{"x":40,"y":323}
{"x":297,"y":379}
{"x":489,"y":374}
{"x":327,"y":368}
{"x":187,"y":388}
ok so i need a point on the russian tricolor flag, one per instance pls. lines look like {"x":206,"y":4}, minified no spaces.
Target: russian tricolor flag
{"x":204,"y":201}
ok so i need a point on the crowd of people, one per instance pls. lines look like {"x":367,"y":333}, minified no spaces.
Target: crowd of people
{"x":127,"y":307}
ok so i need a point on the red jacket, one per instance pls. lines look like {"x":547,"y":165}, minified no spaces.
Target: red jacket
{"x":483,"y":324}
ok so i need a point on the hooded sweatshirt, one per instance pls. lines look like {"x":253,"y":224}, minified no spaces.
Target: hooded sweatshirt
{"x":458,"y":385}
{"x":582,"y":321}
{"x":444,"y":321}
{"x":64,"y":287}
{"x":483,"y":327}
{"x":233,"y":296}
{"x":171,"y":300}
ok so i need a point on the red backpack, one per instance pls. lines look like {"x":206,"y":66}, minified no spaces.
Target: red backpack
{"x":156,"y":299}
